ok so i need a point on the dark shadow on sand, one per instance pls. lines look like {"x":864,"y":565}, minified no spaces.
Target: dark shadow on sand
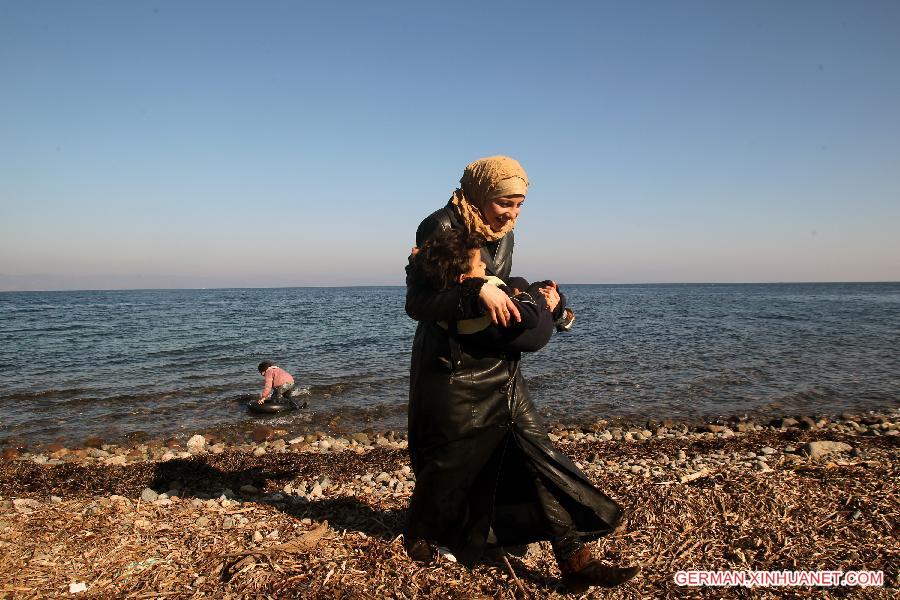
{"x":195,"y":478}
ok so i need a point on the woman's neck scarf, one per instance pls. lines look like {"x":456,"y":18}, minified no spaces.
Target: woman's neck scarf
{"x":483,"y":181}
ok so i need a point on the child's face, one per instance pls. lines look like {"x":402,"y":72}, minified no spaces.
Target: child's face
{"x":477,"y":268}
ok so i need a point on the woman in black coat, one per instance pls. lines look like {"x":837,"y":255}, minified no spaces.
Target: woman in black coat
{"x":486,"y":471}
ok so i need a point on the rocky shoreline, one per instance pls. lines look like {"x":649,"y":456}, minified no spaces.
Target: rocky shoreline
{"x":320,"y":515}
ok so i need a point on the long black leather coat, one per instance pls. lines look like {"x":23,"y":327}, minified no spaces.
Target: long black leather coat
{"x":475,"y":438}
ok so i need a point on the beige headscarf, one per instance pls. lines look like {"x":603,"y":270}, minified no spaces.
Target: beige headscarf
{"x":483,"y":181}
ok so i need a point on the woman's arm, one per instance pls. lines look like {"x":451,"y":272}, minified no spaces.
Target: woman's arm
{"x":457,"y":303}
{"x":529,"y":335}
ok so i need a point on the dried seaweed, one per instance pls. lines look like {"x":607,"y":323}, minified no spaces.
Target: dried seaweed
{"x":345,"y":542}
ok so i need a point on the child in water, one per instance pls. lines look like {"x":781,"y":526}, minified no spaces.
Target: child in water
{"x":279,"y":382}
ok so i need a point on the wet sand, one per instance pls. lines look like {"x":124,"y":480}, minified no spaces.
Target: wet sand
{"x":320,"y":516}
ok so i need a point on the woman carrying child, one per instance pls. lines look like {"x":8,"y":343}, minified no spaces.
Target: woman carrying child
{"x":486,"y":471}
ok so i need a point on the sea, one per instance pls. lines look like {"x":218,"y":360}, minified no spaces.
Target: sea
{"x":138,"y":364}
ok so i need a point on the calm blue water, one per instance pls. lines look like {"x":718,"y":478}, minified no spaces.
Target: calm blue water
{"x":166,"y":362}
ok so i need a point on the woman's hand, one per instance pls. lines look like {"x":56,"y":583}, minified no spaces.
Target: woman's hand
{"x":498,"y":305}
{"x":551,"y":295}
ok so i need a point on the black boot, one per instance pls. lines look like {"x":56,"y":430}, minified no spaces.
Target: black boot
{"x":581,"y":571}
{"x":420,"y":550}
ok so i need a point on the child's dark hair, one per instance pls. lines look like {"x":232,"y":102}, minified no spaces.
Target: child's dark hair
{"x":265,"y":365}
{"x":442,"y":259}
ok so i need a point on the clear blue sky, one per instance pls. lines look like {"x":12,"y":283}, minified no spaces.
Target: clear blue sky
{"x":215,"y":144}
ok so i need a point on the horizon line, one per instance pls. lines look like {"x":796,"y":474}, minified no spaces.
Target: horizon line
{"x":292,"y":287}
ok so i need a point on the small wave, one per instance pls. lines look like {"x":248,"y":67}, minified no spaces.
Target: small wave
{"x":810,"y":394}
{"x":718,"y":379}
{"x":315,"y":391}
{"x":776,"y":317}
{"x":44,"y":394}
{"x":119,"y":399}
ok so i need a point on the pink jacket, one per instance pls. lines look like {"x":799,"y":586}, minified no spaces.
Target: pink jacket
{"x":275,"y":377}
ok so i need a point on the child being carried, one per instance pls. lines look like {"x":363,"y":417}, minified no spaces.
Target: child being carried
{"x":453,"y":257}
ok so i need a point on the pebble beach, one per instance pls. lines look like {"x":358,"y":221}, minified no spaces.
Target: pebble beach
{"x":320,"y":515}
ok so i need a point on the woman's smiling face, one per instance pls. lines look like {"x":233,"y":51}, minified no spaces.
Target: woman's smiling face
{"x":499,"y":211}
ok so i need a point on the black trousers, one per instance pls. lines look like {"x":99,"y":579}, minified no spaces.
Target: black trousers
{"x":523,"y":495}
{"x":563,"y":536}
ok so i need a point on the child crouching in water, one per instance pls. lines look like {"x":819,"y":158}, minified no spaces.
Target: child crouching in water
{"x":279,"y":382}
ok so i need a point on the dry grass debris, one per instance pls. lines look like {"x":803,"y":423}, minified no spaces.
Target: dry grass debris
{"x":715,"y":509}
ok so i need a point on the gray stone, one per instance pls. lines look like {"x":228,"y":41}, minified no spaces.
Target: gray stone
{"x":805,"y":422}
{"x":25,"y":505}
{"x":819,"y":449}
{"x":767,"y":450}
{"x":249,"y":489}
{"x":197,"y":444}
{"x":149,"y":495}
{"x":783,"y":422}
{"x":361,"y":438}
